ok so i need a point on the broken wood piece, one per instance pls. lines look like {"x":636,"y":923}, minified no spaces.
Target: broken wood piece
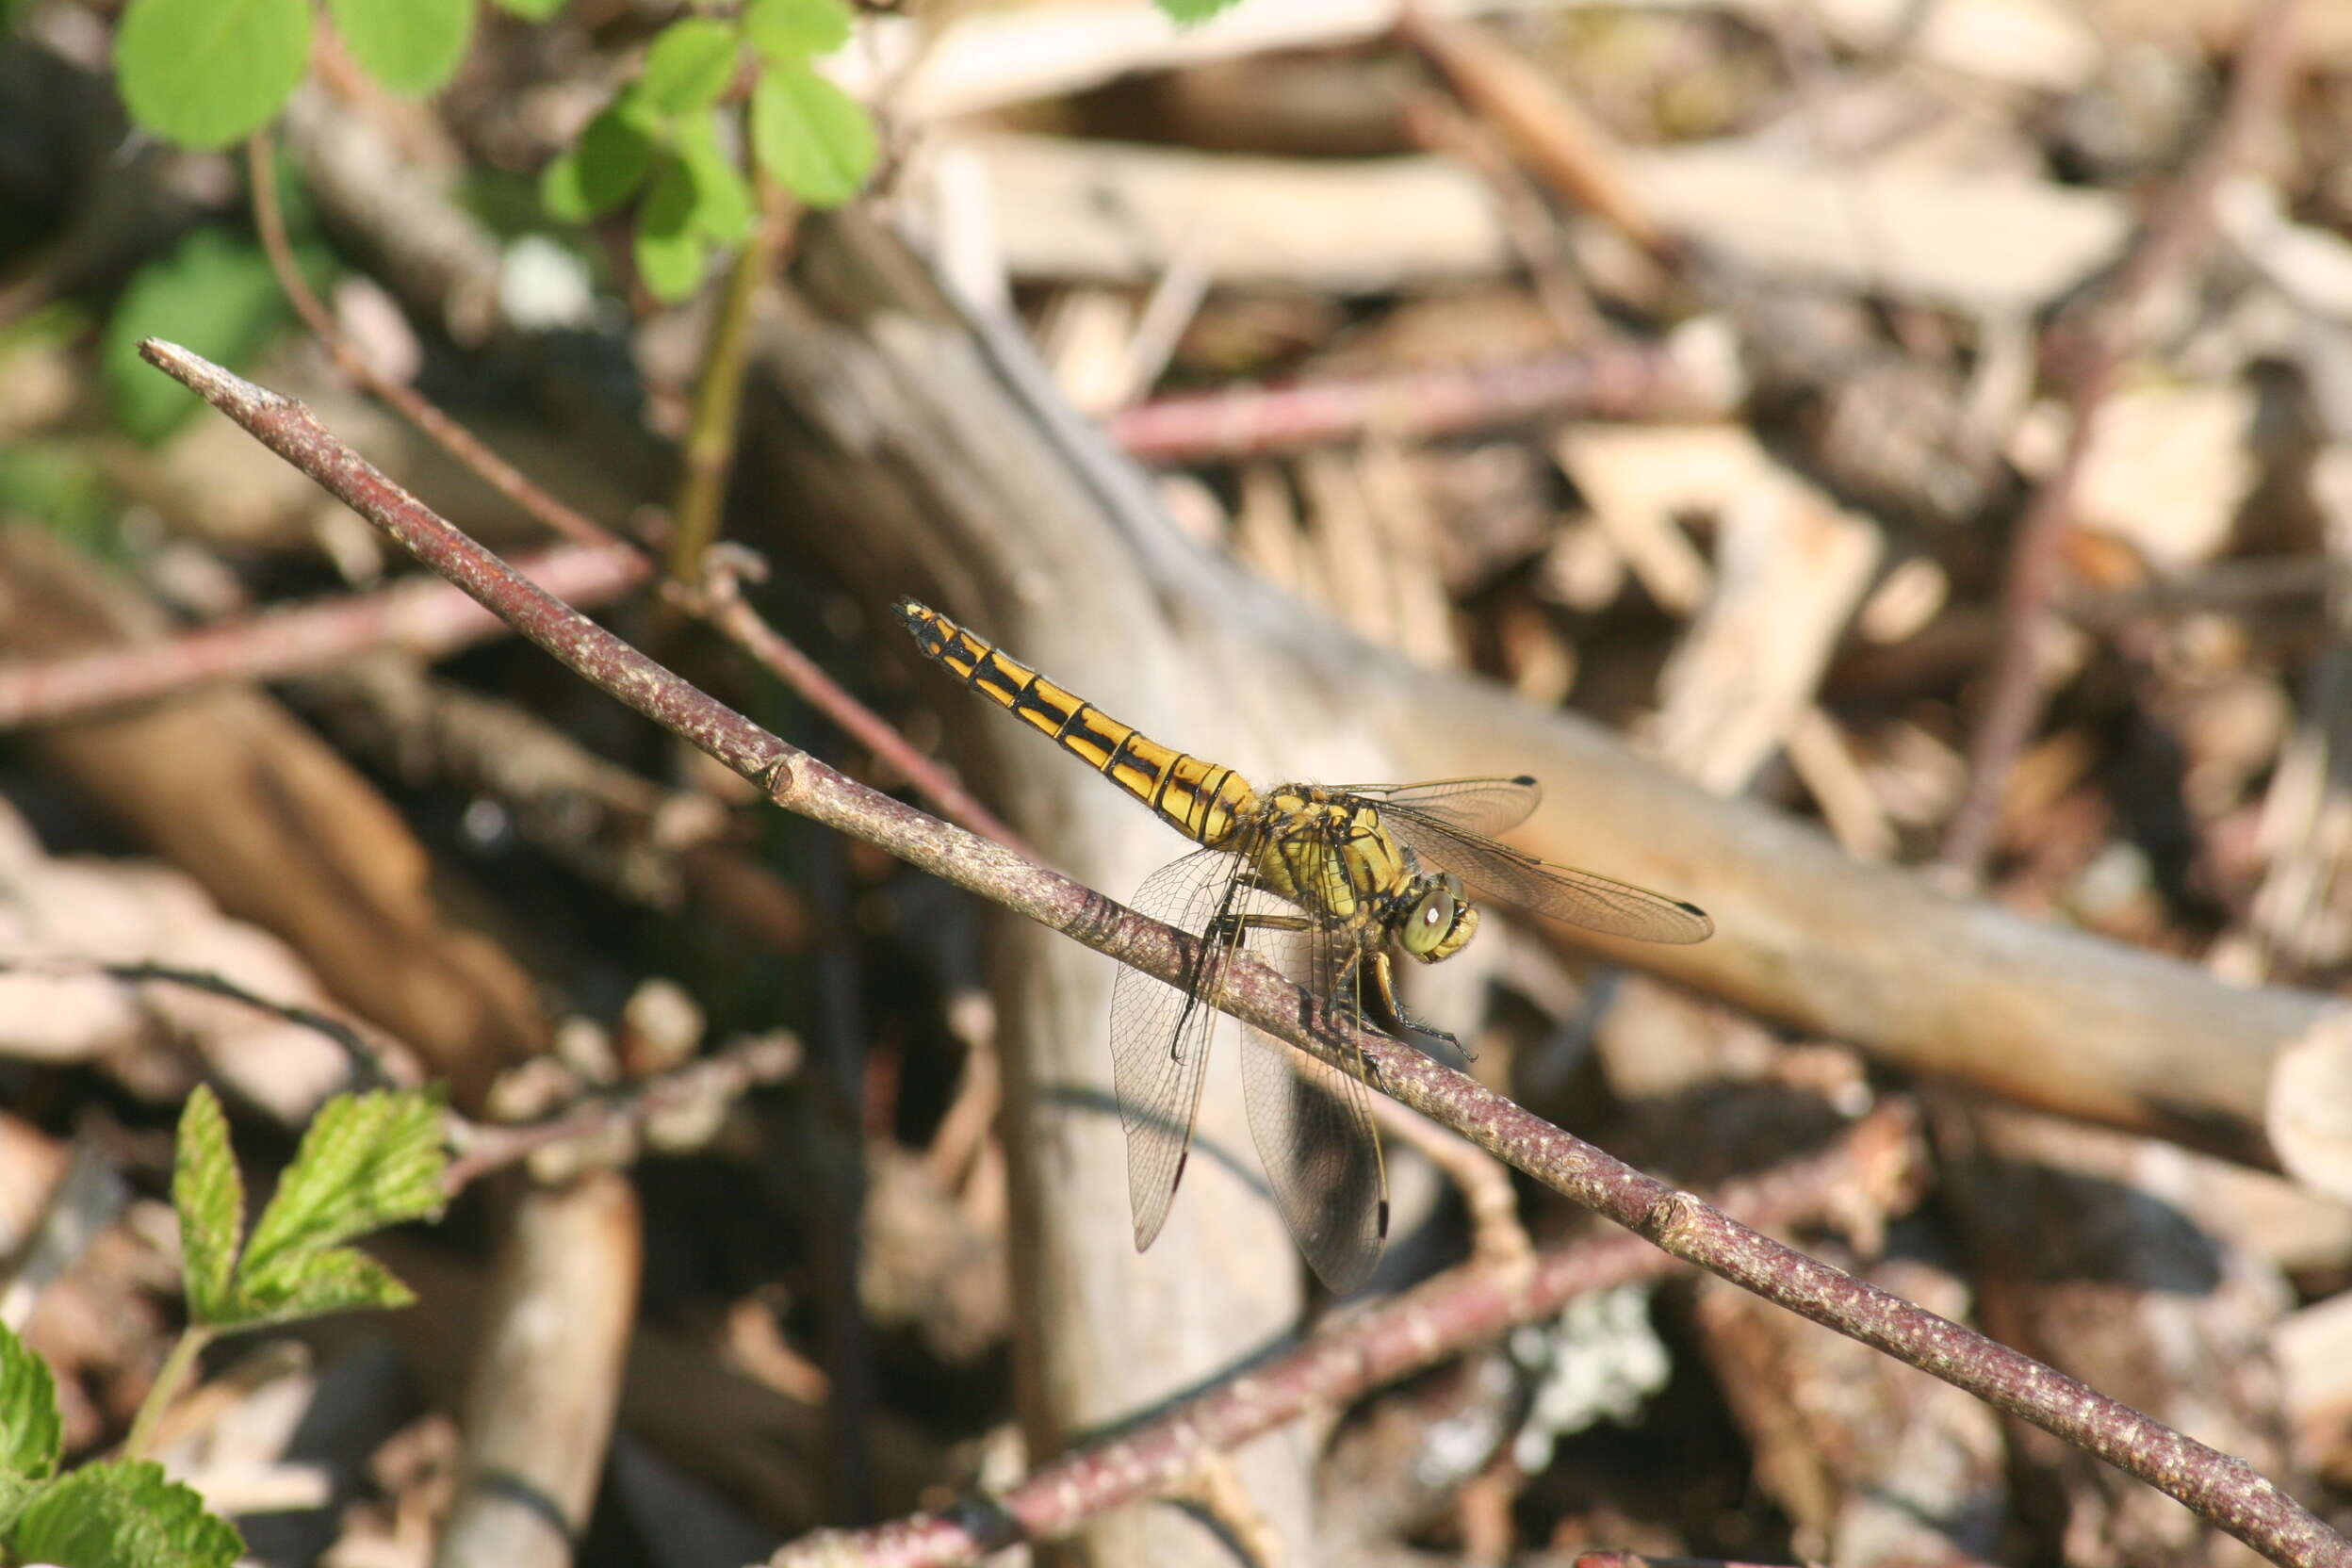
{"x":1981,"y":243}
{"x":1099,"y":212}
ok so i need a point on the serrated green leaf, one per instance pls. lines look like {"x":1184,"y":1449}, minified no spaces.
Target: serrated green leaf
{"x":208,"y":1196}
{"x":410,"y":47}
{"x":315,"y":1283}
{"x":212,"y":294}
{"x":123,"y":1514}
{"x":1191,"y":13}
{"x":722,"y":211}
{"x":811,"y":138}
{"x":367,"y":1161}
{"x":688,"y":67}
{"x":30,"y":1439}
{"x":208,"y":73}
{"x":532,"y":10}
{"x":671,"y":253}
{"x":790,"y":32}
{"x":600,"y":170}
{"x":16,"y":1494}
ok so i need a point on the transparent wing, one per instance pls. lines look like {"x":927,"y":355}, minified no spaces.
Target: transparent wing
{"x":1160,"y":1034}
{"x":1479,"y":807}
{"x":1311,"y":1123}
{"x":1596,"y":903}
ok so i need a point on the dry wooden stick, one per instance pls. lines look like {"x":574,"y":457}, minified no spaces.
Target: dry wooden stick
{"x":365,"y":1056}
{"x":1467,"y":1305}
{"x":1612,"y":381}
{"x":1569,"y":149}
{"x":540,"y":1397}
{"x":2218,"y":1487}
{"x":426,"y":616}
{"x":725,"y":1074}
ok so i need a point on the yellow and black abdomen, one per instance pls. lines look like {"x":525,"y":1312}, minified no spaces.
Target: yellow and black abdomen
{"x":1201,"y":800}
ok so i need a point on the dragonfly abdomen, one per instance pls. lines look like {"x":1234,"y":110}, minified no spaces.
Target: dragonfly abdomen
{"x":1201,"y":800}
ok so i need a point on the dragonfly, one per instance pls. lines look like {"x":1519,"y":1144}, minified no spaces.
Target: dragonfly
{"x":1325,"y":883}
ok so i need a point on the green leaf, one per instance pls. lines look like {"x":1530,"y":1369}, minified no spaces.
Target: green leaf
{"x":531,"y":10}
{"x":212,"y":293}
{"x":367,"y":1161}
{"x":722,"y":210}
{"x":16,"y":1494}
{"x":30,"y":1440}
{"x":124,"y":1513}
{"x":1191,"y":13}
{"x":788,"y":32}
{"x":410,"y":47}
{"x":207,"y":73}
{"x":209,"y":1197}
{"x":600,"y":170}
{"x":688,"y":67}
{"x":671,"y":252}
{"x":316,"y":1283}
{"x":812,"y":138}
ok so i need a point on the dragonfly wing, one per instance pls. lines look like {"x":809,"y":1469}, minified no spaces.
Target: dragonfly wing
{"x":1596,"y":903}
{"x":1161,"y":1034}
{"x":1311,"y":1122}
{"x":1479,"y":807}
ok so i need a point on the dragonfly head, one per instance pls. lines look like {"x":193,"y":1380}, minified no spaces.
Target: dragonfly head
{"x":1439,"y":921}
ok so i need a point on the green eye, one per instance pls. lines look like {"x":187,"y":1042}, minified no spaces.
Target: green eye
{"x":1432,"y":920}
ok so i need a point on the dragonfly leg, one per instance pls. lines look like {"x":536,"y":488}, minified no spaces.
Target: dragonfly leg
{"x":1220,"y":939}
{"x":1225,"y":929}
{"x":1393,"y":1019}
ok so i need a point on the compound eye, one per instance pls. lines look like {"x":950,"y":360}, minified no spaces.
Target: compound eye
{"x":1432,"y":920}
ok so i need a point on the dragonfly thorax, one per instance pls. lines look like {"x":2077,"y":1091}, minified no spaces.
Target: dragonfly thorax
{"x":1331,"y":854}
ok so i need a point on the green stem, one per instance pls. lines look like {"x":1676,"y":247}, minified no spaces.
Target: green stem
{"x":710,"y":453}
{"x":176,"y":1367}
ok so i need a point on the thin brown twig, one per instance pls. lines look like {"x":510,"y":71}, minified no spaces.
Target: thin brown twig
{"x":366,"y":1057}
{"x":436,"y":427}
{"x":718,"y":599}
{"x":1569,"y":150}
{"x":1437,"y":124}
{"x":2218,"y":1487}
{"x":424,"y":615}
{"x":2085,"y":351}
{"x":1470,"y":1304}
{"x":724,"y":1074}
{"x":1610,"y":381}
